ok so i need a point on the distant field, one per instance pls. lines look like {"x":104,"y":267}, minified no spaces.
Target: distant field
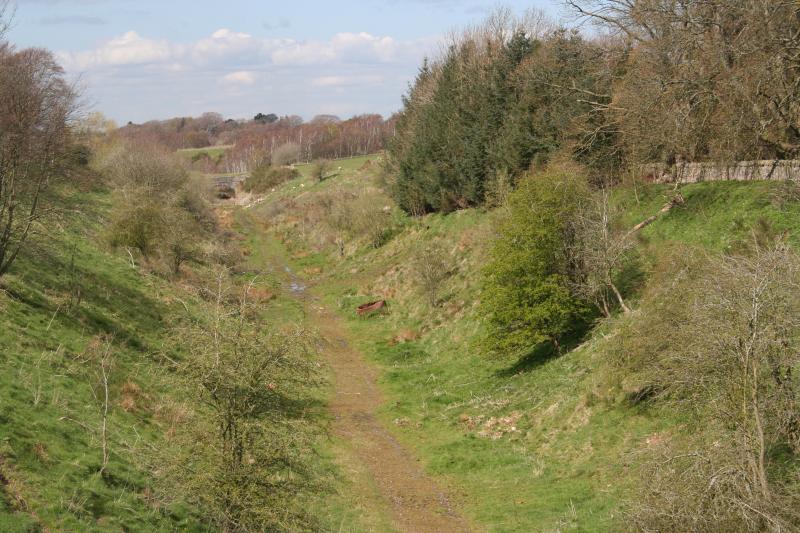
{"x":213,"y":152}
{"x":348,"y":164}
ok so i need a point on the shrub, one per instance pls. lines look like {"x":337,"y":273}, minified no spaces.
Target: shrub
{"x":431,"y":268}
{"x":363,"y":217}
{"x":138,"y":225}
{"x":157,"y":211}
{"x":526,"y":294}
{"x":320,"y":169}
{"x":180,"y":242}
{"x":265,"y":178}
{"x":253,"y":386}
{"x":286,"y":154}
{"x":195,"y":200}
{"x":142,"y":169}
{"x":719,"y":342}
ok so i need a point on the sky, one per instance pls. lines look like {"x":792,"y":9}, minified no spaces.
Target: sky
{"x":137,"y":60}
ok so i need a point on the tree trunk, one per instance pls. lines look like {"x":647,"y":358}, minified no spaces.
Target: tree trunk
{"x":625,"y":308}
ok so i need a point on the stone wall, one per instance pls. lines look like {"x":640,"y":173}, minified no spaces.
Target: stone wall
{"x":743,"y":171}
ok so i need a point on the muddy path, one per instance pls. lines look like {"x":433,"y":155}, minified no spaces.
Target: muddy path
{"x":412,"y":501}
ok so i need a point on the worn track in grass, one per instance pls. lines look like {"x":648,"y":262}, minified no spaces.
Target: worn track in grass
{"x":387,"y":475}
{"x":414,"y":500}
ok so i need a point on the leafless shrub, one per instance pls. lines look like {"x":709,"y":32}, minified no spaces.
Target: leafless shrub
{"x":320,"y":169}
{"x":142,"y":169}
{"x":286,"y":154}
{"x":363,"y":217}
{"x":721,"y":342}
{"x":95,"y":365}
{"x":599,"y":251}
{"x":431,"y":269}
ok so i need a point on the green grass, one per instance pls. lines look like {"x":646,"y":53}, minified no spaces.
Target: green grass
{"x":49,"y":445}
{"x":215,"y":153}
{"x":345,"y":166}
{"x":716,"y":215}
{"x":571,"y":462}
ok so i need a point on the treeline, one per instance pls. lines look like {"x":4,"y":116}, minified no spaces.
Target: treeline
{"x":323,"y":138}
{"x":688,"y":81}
{"x":255,"y":142}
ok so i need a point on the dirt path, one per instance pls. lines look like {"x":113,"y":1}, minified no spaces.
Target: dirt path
{"x":389,"y":476}
{"x":415,"y":502}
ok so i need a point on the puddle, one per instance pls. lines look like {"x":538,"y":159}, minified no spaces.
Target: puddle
{"x":297,"y":287}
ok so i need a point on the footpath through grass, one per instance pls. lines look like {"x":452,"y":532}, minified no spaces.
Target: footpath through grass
{"x":352,"y":502}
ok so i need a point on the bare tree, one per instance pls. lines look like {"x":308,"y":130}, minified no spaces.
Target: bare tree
{"x":599,"y":252}
{"x":36,"y":106}
{"x":703,"y":80}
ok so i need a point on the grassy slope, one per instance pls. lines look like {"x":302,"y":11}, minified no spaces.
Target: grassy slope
{"x":570,"y":458}
{"x":49,"y":447}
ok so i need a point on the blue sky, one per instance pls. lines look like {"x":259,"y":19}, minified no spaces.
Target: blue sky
{"x":146,"y":59}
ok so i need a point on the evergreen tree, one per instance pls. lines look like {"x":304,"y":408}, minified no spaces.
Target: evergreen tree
{"x":526,"y":295}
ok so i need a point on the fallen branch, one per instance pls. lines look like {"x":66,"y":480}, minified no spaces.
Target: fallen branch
{"x":676,"y":200}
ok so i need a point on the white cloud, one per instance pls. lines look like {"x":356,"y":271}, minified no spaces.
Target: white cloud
{"x":134,"y":77}
{"x":128,"y":49}
{"x":346,"y":81}
{"x":360,"y":47}
{"x":225,"y":44}
{"x":241,"y":77}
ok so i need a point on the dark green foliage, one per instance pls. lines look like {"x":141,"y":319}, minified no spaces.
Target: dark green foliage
{"x":265,"y":177}
{"x":526,"y":293}
{"x":493,"y":104}
{"x":265,"y":119}
{"x":549,"y":108}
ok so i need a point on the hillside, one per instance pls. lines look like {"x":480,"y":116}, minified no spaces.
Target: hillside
{"x":66,"y":297}
{"x":79,"y":320}
{"x":545,"y":443}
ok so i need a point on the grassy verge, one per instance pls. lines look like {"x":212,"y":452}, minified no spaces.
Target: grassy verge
{"x":65,"y":298}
